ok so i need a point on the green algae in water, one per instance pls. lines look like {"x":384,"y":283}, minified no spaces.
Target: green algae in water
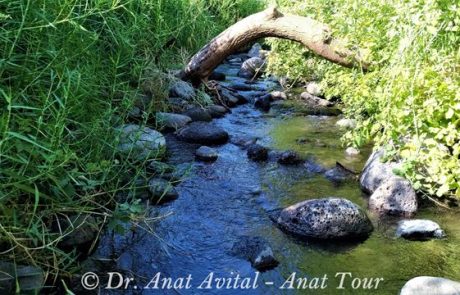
{"x":318,"y":137}
{"x":382,"y":255}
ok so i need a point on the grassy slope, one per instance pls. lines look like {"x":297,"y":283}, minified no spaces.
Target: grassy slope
{"x":69,"y":71}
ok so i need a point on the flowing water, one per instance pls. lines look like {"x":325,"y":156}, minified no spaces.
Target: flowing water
{"x":220,"y":202}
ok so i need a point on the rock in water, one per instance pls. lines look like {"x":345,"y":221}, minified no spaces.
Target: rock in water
{"x":346,"y":123}
{"x":255,"y":50}
{"x":352,"y":152}
{"x":289,"y":158}
{"x":315,"y":101}
{"x":430,"y":286}
{"x":257,"y":251}
{"x":254,"y":66}
{"x":161,"y":191}
{"x":217,"y":111}
{"x":198,"y":114}
{"x":314,"y":89}
{"x":340,"y":174}
{"x":183,"y":90}
{"x":171,"y":120}
{"x":375,"y":172}
{"x":140,"y":143}
{"x":328,"y":218}
{"x":207,"y":154}
{"x":217,"y":76}
{"x":278,"y":95}
{"x":257,"y":153}
{"x":202,"y":133}
{"x":394,"y":197}
{"x":263,"y":102}
{"x":419,"y":229}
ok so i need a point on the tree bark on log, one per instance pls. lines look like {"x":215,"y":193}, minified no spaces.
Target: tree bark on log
{"x":270,"y":23}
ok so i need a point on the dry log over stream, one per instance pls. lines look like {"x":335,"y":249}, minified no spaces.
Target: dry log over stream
{"x":270,"y":23}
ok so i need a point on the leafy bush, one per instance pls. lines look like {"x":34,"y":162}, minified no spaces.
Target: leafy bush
{"x":410,"y":101}
{"x":69,"y":73}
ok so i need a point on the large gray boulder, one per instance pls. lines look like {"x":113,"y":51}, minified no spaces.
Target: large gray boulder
{"x":419,"y":229}
{"x":375,"y":172}
{"x":203,"y":133}
{"x":217,"y":111}
{"x":328,"y":218}
{"x":140,"y":143}
{"x":171,"y":120}
{"x":394,"y":197}
{"x":183,"y":90}
{"x":425,"y":285}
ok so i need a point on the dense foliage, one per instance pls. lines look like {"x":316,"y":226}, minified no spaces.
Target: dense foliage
{"x":69,"y":71}
{"x":410,"y":101}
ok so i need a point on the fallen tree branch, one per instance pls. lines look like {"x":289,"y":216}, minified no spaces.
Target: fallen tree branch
{"x":270,"y":23}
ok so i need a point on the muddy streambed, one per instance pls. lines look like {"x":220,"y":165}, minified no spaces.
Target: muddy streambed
{"x":222,"y":201}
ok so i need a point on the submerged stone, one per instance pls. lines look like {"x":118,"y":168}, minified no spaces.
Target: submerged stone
{"x":257,"y":251}
{"x":419,"y":229}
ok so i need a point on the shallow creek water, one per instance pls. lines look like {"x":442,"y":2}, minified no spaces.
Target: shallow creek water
{"x":220,"y":202}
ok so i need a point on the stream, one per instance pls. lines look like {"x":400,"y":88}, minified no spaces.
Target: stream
{"x":222,"y":201}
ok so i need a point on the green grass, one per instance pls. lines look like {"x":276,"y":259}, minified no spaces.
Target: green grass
{"x":69,"y":73}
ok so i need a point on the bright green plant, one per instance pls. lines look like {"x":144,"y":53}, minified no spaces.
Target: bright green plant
{"x":410,"y":101}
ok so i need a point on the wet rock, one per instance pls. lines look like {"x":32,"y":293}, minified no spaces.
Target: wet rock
{"x":255,"y":50}
{"x":171,"y":120}
{"x":352,"y":152}
{"x":278,"y":95}
{"x":198,"y":114}
{"x":257,"y":153}
{"x":135,"y":114}
{"x":241,"y":86}
{"x":232,"y":98}
{"x":140,"y":143}
{"x":340,"y":174}
{"x":30,"y":279}
{"x":177,"y":104}
{"x":328,"y":218}
{"x":314,"y":167}
{"x":217,"y":111}
{"x":80,"y":231}
{"x":257,"y":251}
{"x":243,"y":142}
{"x":263,"y":102}
{"x":430,"y":286}
{"x":202,"y":133}
{"x":419,"y":229}
{"x":375,"y":172}
{"x":315,"y":101}
{"x":346,"y":123}
{"x":252,"y":67}
{"x":217,"y":76}
{"x":161,"y":191}
{"x":314,"y":88}
{"x":207,"y":154}
{"x":183,"y":90}
{"x":289,"y":158}
{"x":394,"y":197}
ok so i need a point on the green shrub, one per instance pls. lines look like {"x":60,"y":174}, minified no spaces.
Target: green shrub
{"x":410,"y":102}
